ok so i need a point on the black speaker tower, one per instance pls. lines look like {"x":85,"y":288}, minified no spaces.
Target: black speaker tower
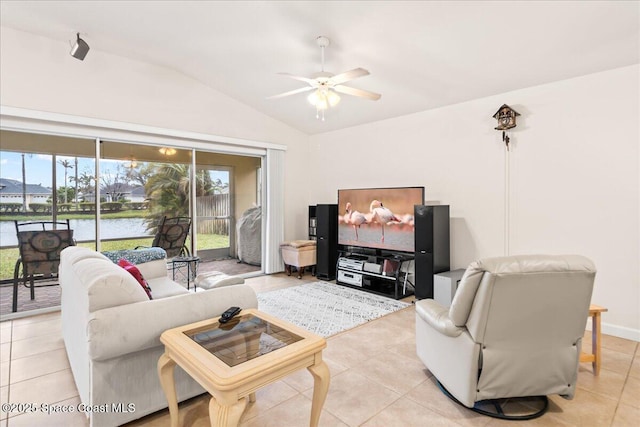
{"x":432,"y":246}
{"x":327,"y":241}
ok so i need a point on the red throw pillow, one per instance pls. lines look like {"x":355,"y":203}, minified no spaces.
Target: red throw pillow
{"x":133,"y":270}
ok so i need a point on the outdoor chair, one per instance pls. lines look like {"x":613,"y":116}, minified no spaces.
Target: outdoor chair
{"x":40,"y":244}
{"x":171,"y":236}
{"x":512,"y":335}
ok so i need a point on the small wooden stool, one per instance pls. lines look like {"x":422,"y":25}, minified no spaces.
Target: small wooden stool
{"x":594,"y":312}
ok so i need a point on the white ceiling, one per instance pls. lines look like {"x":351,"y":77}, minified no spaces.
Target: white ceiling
{"x":421,"y":55}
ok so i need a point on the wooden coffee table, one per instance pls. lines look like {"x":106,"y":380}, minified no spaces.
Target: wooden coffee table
{"x":231,"y":361}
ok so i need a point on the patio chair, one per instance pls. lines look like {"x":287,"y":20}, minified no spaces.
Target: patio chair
{"x":171,"y":236}
{"x":40,"y":244}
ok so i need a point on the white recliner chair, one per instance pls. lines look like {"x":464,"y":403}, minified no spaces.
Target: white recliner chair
{"x":514,"y":329}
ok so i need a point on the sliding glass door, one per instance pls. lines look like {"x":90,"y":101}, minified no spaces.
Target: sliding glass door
{"x":42,"y":178}
{"x":215,"y":213}
{"x":139,"y":185}
{"x":114,"y":193}
{"x":232,"y":193}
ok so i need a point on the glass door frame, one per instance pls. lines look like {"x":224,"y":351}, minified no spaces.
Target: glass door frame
{"x":216,"y":252}
{"x":57,"y":124}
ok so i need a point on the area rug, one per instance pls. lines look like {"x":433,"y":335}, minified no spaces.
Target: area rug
{"x":324,"y":308}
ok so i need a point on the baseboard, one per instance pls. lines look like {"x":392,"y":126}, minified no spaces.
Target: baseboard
{"x":618,"y":331}
{"x":28,"y":313}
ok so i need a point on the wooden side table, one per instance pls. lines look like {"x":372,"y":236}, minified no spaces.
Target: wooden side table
{"x":595,"y":312}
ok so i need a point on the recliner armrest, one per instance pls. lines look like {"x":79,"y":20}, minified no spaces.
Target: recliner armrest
{"x":437,"y":316}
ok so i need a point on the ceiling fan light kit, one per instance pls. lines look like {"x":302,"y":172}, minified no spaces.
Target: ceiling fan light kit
{"x":325,"y":85}
{"x":323,"y":99}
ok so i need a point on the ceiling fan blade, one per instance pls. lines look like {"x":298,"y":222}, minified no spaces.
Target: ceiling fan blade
{"x":357,"y":92}
{"x":291,"y":92}
{"x":312,"y":82}
{"x":349,"y":75}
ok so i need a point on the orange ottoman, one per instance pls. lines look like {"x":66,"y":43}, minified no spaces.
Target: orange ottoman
{"x":299,"y":254}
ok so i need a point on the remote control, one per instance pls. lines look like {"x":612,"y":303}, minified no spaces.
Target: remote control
{"x":229,"y":313}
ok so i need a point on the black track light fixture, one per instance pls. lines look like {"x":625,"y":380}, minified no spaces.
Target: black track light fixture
{"x":79,"y":49}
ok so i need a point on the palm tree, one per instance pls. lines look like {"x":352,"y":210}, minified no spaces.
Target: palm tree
{"x":24,"y":186}
{"x":84,"y":183}
{"x":75,"y":194}
{"x":167,"y":190}
{"x":66,"y":164}
{"x":24,"y":181}
{"x":219,"y":187}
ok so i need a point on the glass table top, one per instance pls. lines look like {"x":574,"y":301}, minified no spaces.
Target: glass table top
{"x":241,"y":339}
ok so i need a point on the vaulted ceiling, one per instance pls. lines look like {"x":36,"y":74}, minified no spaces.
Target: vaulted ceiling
{"x":421,"y":54}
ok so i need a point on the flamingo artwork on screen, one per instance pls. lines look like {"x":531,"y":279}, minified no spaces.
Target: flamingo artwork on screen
{"x":379,"y":218}
{"x":353,"y":218}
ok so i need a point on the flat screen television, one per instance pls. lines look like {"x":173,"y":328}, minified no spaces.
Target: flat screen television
{"x":379,"y":218}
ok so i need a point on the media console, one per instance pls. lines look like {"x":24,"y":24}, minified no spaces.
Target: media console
{"x":387,"y":272}
{"x":383,"y":274}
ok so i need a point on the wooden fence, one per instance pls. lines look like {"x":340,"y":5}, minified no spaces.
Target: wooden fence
{"x":214,"y":214}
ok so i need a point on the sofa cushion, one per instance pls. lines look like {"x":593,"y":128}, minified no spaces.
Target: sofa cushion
{"x":136,"y":256}
{"x":163,"y":287}
{"x":107,"y":284}
{"x":216,"y":279}
{"x":127,"y":329}
{"x":152,"y":269}
{"x":133,"y":270}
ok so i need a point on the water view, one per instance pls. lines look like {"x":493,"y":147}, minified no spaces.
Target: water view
{"x":85,"y":229}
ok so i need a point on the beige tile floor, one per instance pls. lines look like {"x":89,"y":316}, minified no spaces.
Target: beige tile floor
{"x":376,"y":381}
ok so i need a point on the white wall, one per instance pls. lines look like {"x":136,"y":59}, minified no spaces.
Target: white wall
{"x":38,"y":73}
{"x":573,"y":167}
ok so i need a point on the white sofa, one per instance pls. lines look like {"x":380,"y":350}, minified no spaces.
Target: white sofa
{"x":112,"y":331}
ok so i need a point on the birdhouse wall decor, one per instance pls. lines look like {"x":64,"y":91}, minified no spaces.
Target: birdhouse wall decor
{"x":506,"y":117}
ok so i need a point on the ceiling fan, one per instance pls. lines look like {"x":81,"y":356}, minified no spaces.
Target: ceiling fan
{"x":325,"y":85}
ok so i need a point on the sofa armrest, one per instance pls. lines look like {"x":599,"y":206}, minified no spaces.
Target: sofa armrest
{"x":116,"y":331}
{"x":437,"y":316}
